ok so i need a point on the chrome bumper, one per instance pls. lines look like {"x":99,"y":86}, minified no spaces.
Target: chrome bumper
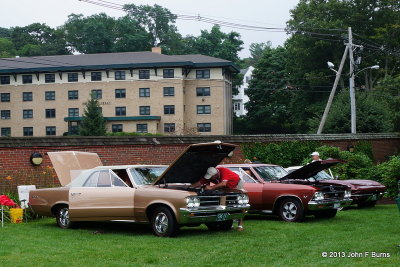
{"x":209,"y":214}
{"x":367,"y":197}
{"x":328,"y":204}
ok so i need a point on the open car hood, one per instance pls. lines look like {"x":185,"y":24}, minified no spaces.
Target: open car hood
{"x":193,"y":163}
{"x":311,"y":169}
{"x":70,"y":164}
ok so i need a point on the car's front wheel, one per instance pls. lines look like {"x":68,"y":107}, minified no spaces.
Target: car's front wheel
{"x":326,"y":214}
{"x":62,"y":218}
{"x":291,"y":210}
{"x":164,"y":223}
{"x":220,"y":226}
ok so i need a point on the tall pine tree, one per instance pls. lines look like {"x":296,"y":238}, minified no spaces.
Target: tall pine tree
{"x":93,"y":122}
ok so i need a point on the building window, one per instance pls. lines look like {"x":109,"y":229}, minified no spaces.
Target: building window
{"x":50,"y":130}
{"x":6,"y":114}
{"x":50,"y":113}
{"x":204,"y":127}
{"x":236,"y":106}
{"x":96,"y":76}
{"x":202,"y":74}
{"x":72,"y":77}
{"x":27,"y":113}
{"x":144,"y":92}
{"x":73,"y":112}
{"x":6,"y":131}
{"x":27,"y":96}
{"x":4,"y":79}
{"x":5,"y":97}
{"x":169,"y":109}
{"x":97,"y":94}
{"x":119,"y":75}
{"x":141,"y":128}
{"x":50,"y":78}
{"x":117,"y":128}
{"x":169,"y":127}
{"x":169,"y":91}
{"x":120,"y":93}
{"x":120,"y":111}
{"x":203,"y":91}
{"x":50,"y":95}
{"x":144,"y":74}
{"x":144,"y":110}
{"x":168,"y":73}
{"x":73,"y":95}
{"x":203,"y":109}
{"x":26,"y":79}
{"x":28,"y":131}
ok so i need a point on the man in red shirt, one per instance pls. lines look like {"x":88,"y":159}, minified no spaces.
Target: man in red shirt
{"x":220,"y":177}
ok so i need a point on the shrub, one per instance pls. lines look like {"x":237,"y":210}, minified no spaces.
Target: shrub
{"x":388,"y":173}
{"x":290,"y":153}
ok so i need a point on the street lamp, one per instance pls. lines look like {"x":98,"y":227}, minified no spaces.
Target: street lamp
{"x":331,"y":66}
{"x":374,"y":67}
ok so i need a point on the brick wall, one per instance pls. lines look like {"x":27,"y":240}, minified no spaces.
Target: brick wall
{"x":16,"y":169}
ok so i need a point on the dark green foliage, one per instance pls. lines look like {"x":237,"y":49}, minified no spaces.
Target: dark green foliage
{"x":364,"y":147}
{"x":285,"y":154}
{"x":93,"y":123}
{"x":7,"y":48}
{"x":388,"y":173}
{"x":39,"y":39}
{"x":373,"y":114}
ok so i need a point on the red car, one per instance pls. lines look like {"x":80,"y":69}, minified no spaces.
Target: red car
{"x":364,"y":193}
{"x":291,"y":196}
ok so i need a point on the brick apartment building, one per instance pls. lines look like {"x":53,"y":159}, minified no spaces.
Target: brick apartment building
{"x":146,"y":92}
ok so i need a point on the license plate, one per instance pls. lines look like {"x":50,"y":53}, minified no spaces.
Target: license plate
{"x":336,"y":205}
{"x":374,"y":197}
{"x":222,"y":217}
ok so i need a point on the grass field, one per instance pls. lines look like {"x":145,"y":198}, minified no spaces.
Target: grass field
{"x":266,"y":241}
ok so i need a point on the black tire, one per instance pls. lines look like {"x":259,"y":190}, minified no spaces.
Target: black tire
{"x":291,"y":210}
{"x":366,"y":204}
{"x":62,"y":218}
{"x":326,"y":213}
{"x":164,"y":223}
{"x":220,"y":226}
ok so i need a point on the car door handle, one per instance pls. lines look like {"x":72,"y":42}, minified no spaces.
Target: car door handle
{"x":75,"y":194}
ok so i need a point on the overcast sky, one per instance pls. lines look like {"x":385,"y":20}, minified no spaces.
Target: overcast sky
{"x":266,"y":13}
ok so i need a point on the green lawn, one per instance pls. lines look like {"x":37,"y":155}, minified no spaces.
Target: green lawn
{"x":266,"y":241}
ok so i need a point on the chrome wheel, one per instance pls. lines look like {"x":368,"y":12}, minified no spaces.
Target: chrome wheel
{"x":289,"y":211}
{"x":64,"y":217}
{"x":161,"y":223}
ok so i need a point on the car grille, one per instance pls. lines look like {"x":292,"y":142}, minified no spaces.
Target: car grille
{"x":205,"y":201}
{"x":338,"y":195}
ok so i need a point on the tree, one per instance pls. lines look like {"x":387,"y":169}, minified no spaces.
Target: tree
{"x":256,"y":52}
{"x":270,"y":94}
{"x":373,"y":114}
{"x":92,"y":34}
{"x":93,"y":122}
{"x":6,"y":48}
{"x":158,"y":21}
{"x":5,"y":33}
{"x":39,"y":40}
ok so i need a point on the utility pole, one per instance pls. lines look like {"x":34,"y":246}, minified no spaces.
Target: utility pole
{"x":328,"y":105}
{"x":352,"y":90}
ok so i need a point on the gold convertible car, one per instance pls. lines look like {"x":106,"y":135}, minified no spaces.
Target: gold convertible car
{"x":159,"y":195}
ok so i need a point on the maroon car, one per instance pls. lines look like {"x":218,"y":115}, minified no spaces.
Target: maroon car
{"x":364,"y":193}
{"x":273,"y":191}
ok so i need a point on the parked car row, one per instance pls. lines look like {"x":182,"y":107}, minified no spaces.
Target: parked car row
{"x":162,"y":196}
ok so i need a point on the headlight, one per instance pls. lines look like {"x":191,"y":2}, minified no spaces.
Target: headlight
{"x":347,"y":194}
{"x":318,"y":196}
{"x":193,"y":202}
{"x":243,"y":199}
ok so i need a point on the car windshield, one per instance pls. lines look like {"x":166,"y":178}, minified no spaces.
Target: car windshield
{"x":146,"y":175}
{"x":322,"y":175}
{"x":269,"y":173}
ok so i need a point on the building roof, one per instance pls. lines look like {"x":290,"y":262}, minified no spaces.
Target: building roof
{"x":108,"y":61}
